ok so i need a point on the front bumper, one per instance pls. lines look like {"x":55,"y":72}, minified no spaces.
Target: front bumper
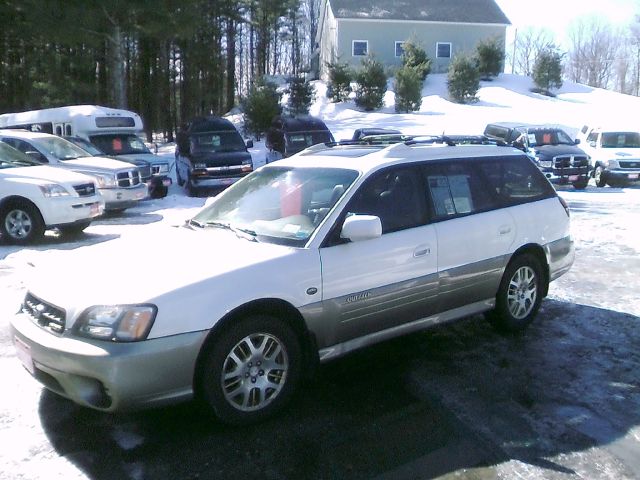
{"x":117,"y":198}
{"x":109,"y":376}
{"x":626,"y":175}
{"x":65,"y":210}
{"x":566,"y":176}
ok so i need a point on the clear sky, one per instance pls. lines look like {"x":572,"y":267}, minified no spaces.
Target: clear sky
{"x":557,"y":15}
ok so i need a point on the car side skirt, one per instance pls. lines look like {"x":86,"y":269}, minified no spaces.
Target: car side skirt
{"x":341,"y":349}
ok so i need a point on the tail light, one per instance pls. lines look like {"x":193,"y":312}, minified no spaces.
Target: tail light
{"x":565,"y":205}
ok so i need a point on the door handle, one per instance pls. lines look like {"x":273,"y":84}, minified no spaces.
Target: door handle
{"x":421,"y":251}
{"x":504,"y":230}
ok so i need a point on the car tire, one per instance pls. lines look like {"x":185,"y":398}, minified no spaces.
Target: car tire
{"x":21,"y":223}
{"x":188,"y":187}
{"x":179,"y":179}
{"x":75,"y":229}
{"x":250,"y":370}
{"x":599,"y":177}
{"x":519,"y":295}
{"x":581,"y":184}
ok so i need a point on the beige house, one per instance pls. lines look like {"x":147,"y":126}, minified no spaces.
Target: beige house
{"x":349,"y":30}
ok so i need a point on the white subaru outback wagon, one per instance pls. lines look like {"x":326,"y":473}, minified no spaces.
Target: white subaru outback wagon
{"x":303,"y":261}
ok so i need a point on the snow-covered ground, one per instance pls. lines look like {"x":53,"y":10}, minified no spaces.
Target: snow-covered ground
{"x":605,"y":222}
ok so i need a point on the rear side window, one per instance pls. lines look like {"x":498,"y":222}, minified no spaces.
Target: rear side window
{"x":515,"y":180}
{"x":456,"y":189}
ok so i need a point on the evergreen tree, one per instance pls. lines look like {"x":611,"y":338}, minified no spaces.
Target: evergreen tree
{"x":372,"y":85}
{"x":463,"y":79}
{"x":490,"y":58}
{"x":408,"y":87}
{"x":340,"y":76}
{"x":260,"y":106}
{"x":301,"y":96}
{"x":547,"y":71}
{"x":415,"y":56}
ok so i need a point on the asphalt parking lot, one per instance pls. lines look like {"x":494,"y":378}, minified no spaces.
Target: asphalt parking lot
{"x":560,"y":401}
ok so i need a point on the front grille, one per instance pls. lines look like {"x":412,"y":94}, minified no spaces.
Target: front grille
{"x":145,"y":172}
{"x":44,"y":314}
{"x":630,"y":164}
{"x":86,"y":189}
{"x":570,"y":161}
{"x":129,"y":178}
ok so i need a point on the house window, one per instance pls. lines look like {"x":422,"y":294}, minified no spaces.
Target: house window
{"x":443,"y":50}
{"x":399,"y":49}
{"x":360,"y":48}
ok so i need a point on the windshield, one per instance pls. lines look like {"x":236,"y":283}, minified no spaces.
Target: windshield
{"x":279,"y":204}
{"x":621,"y":140}
{"x":550,"y":137}
{"x":60,"y":148}
{"x":11,"y":158}
{"x":86,"y":145}
{"x":298,"y":141}
{"x":119,"y":144}
{"x":224,"y":141}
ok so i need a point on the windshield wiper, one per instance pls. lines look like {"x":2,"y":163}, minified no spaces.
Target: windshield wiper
{"x":194,"y":223}
{"x":240,"y":232}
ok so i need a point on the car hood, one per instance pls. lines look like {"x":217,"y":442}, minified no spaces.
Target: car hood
{"x":146,"y":157}
{"x":623,"y":153}
{"x":46,"y":174}
{"x":553,"y":150}
{"x":96,"y":164}
{"x":135,"y":270}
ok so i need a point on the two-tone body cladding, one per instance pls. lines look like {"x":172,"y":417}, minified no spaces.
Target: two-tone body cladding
{"x":308,"y":259}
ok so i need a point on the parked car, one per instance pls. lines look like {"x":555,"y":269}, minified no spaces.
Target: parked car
{"x":615,"y":153}
{"x":550,"y":147}
{"x":290,"y":135}
{"x":303,"y":261}
{"x":157,"y":184}
{"x":118,"y":182}
{"x":210,"y":153}
{"x":360,"y":133}
{"x":35,"y":198}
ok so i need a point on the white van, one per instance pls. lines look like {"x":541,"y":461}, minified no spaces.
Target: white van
{"x":113,"y":131}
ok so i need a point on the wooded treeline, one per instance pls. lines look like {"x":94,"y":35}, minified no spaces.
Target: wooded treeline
{"x":165,"y":59}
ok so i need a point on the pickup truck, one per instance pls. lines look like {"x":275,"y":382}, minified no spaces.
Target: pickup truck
{"x":615,"y":153}
{"x":35,"y":197}
{"x":118,"y":182}
{"x":551,"y":149}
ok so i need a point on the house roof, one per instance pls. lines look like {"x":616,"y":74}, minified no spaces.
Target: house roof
{"x":456,"y":11}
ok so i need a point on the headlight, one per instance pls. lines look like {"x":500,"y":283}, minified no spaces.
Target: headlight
{"x":117,"y":323}
{"x":545,"y":163}
{"x":162,"y":167}
{"x":104,"y":180}
{"x":613,"y":164}
{"x":53,"y":190}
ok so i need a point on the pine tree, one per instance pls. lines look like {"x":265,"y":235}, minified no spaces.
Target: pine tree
{"x":547,"y":71}
{"x":463,"y":79}
{"x":340,"y":76}
{"x":408,"y":87}
{"x":301,"y":96}
{"x":372,"y":85}
{"x":415,"y":56}
{"x":490,"y":58}
{"x":260,"y":106}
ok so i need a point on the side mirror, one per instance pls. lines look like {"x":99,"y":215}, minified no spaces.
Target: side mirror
{"x":361,"y":227}
{"x":519,"y":144}
{"x":592,"y":144}
{"x":577,"y":141}
{"x":249,"y":143}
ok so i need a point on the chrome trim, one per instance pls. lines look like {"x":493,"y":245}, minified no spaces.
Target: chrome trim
{"x":340,"y":349}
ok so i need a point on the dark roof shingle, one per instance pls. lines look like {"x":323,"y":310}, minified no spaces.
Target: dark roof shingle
{"x":462,"y":11}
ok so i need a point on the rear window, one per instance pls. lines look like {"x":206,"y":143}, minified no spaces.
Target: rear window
{"x":515,"y":180}
{"x":496,"y":131}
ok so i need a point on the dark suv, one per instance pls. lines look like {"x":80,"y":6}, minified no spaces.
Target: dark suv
{"x":290,"y":135}
{"x":551,"y":148}
{"x":210,"y":153}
